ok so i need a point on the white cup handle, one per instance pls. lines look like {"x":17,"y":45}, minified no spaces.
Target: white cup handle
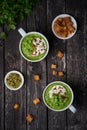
{"x":73,"y":109}
{"x":22,"y":32}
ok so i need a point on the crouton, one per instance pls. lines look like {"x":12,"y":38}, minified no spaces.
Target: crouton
{"x":36,"y":101}
{"x":36,"y":77}
{"x":61,"y":73}
{"x":30,"y":118}
{"x":71,"y":29}
{"x":54,"y":72}
{"x":60,"y":54}
{"x":68,"y":21}
{"x":16,"y":106}
{"x":53,"y":66}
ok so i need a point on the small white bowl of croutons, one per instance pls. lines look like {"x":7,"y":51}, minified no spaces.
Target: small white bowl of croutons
{"x":64,"y":26}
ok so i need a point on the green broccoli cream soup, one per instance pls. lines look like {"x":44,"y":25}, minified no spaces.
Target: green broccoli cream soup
{"x":34,"y":46}
{"x":58,"y":96}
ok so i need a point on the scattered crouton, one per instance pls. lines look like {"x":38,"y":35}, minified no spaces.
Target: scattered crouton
{"x":30,"y":118}
{"x":53,"y":66}
{"x":36,"y":77}
{"x":60,"y":54}
{"x":54,"y":72}
{"x":36,"y":101}
{"x":61,"y":73}
{"x":16,"y":106}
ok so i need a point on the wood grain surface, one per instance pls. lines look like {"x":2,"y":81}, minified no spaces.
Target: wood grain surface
{"x":73,"y":64}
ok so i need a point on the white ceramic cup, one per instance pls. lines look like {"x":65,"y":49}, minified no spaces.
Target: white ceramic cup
{"x":70,"y":106}
{"x":24,"y":34}
{"x":74,"y":25}
{"x":6,"y":76}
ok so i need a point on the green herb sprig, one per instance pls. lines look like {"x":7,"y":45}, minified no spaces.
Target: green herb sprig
{"x":11,"y":10}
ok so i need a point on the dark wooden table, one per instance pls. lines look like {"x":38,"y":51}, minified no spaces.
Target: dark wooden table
{"x":75,"y":61}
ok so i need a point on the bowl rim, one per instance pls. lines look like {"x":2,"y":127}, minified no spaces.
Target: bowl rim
{"x":73,"y":20}
{"x":33,"y":32}
{"x":17,"y":72}
{"x":63,"y":108}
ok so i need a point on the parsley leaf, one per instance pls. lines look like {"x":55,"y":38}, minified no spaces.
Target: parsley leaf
{"x":11,"y":10}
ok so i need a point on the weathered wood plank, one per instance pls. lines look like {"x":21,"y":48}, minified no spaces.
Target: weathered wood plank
{"x":1,"y":83}
{"x":15,"y":119}
{"x":76,"y":65}
{"x":37,"y":22}
{"x":56,"y":120}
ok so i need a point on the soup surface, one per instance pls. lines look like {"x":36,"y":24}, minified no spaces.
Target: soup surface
{"x":58,"y":96}
{"x":34,"y":47}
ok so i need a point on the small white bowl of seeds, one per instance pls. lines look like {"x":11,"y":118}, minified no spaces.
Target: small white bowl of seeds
{"x":14,"y":80}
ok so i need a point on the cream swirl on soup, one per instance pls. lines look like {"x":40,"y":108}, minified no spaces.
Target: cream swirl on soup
{"x":58,"y":89}
{"x":40,"y":46}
